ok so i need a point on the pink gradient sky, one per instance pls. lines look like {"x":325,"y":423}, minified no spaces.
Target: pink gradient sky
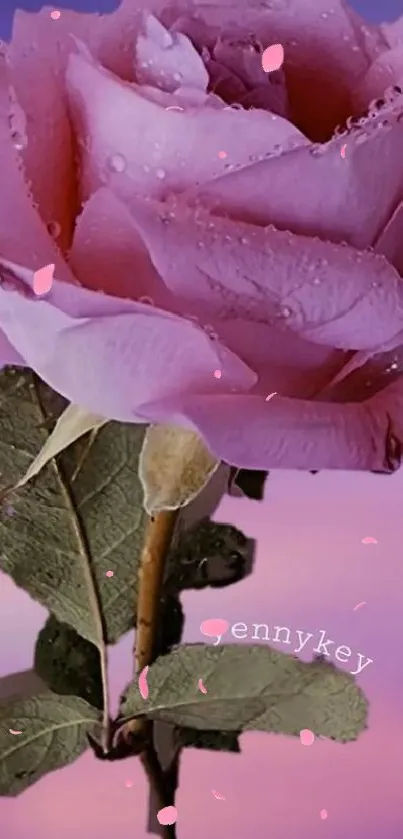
{"x":311,"y":570}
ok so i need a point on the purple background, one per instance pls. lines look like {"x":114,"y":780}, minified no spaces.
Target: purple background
{"x":311,"y":570}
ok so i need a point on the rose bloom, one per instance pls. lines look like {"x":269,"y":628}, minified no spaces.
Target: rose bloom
{"x":219,"y":233}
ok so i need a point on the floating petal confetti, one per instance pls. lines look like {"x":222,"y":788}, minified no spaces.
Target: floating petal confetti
{"x":323,"y":814}
{"x":218,"y":795}
{"x":217,"y":374}
{"x":201,"y":686}
{"x":272,"y":58}
{"x":109,"y":573}
{"x":343,"y":150}
{"x":43,"y":279}
{"x":168,"y":815}
{"x":270,"y":396}
{"x":128,"y":783}
{"x":369,"y":540}
{"x":55,"y":15}
{"x":358,"y":606}
{"x":306,"y":737}
{"x":14,"y":731}
{"x":222,"y":154}
{"x":174,"y":108}
{"x":214,"y":626}
{"x":143,"y":688}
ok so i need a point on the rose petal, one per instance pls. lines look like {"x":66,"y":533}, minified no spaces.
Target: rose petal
{"x":23,"y":236}
{"x":393,"y":32}
{"x":163,"y":150}
{"x":326,"y":51}
{"x":267,"y":275}
{"x":111,"y":364}
{"x":384,"y":72}
{"x":38,"y":55}
{"x":168,"y":60}
{"x":390,"y":242}
{"x":108,"y":255}
{"x":314,"y":191}
{"x":251,"y":433}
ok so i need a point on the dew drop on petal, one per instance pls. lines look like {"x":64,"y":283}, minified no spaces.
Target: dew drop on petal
{"x":161,"y":174}
{"x":117,"y":163}
{"x":272,"y":58}
{"x":168,"y":815}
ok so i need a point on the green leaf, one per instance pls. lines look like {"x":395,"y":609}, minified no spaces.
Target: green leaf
{"x":79,"y":518}
{"x":249,"y":688}
{"x":53,"y":734}
{"x":67,"y":663}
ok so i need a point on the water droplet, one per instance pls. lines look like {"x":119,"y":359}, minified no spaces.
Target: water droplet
{"x":20,"y":141}
{"x":148,"y":301}
{"x":117,"y":163}
{"x":316,"y":281}
{"x":161,"y":174}
{"x":286,"y":312}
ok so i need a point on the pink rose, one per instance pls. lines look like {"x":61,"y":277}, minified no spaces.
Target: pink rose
{"x":211,"y":243}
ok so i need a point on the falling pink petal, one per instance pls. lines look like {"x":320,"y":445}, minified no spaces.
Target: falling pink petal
{"x":201,"y":686}
{"x":55,"y":15}
{"x":358,"y":606}
{"x":217,"y":374}
{"x":218,"y":795}
{"x":109,"y":573}
{"x":323,"y":814}
{"x":14,"y":731}
{"x":222,"y":154}
{"x":306,"y":737}
{"x":270,"y":396}
{"x":174,"y":108}
{"x":143,"y":686}
{"x":43,"y":279}
{"x":272,"y":58}
{"x":168,"y":815}
{"x":214,"y":626}
{"x":369,"y":540}
{"x":128,"y":783}
{"x":343,"y":150}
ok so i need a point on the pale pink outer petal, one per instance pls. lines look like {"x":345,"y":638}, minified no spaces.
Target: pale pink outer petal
{"x":23,"y":236}
{"x":282,"y":433}
{"x":316,"y":191}
{"x":113,"y":363}
{"x":168,"y":61}
{"x":163,"y":150}
{"x":384,"y":72}
{"x":108,"y":255}
{"x":327,"y":293}
{"x":393,"y":32}
{"x":38,"y":52}
{"x":390,"y":242}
